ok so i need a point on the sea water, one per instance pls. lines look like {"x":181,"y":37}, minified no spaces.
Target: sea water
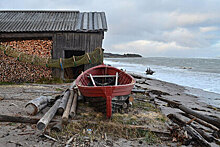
{"x":200,"y":76}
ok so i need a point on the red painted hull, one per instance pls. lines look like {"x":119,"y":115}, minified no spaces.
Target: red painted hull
{"x":124,"y":87}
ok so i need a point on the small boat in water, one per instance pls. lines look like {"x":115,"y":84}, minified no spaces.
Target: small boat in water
{"x":149,"y":71}
{"x":105,"y":81}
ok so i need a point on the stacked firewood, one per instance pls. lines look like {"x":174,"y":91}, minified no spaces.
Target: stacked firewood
{"x":12,"y":70}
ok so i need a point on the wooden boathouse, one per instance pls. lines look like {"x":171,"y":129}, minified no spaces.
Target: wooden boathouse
{"x":72,"y":33}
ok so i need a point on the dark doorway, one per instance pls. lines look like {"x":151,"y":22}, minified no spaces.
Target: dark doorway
{"x":73,"y":72}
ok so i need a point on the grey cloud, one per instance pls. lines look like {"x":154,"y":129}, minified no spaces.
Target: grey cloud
{"x":154,"y":21}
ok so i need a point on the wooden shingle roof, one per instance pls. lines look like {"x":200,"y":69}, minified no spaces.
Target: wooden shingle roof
{"x":52,"y":21}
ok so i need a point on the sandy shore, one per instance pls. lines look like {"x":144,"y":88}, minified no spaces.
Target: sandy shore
{"x":14,"y":97}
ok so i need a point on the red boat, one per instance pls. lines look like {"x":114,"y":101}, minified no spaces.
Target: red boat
{"x":105,"y":81}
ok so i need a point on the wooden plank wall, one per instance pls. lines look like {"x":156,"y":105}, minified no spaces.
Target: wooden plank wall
{"x":74,"y":41}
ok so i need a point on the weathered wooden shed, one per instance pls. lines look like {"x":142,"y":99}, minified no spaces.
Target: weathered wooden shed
{"x":72,"y":32}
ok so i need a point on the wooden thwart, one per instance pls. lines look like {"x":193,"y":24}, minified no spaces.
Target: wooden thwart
{"x":93,"y":82}
{"x":103,"y":76}
{"x":116,"y":79}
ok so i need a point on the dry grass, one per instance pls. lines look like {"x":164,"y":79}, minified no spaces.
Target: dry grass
{"x":94,"y":124}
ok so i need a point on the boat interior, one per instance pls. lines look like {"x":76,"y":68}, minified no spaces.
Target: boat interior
{"x":105,"y":77}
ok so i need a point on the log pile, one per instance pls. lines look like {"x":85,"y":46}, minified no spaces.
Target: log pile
{"x":65,"y":101}
{"x":11,"y":70}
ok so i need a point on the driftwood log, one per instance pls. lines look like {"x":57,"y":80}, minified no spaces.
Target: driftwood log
{"x":58,"y":126}
{"x":68,"y":107}
{"x":211,"y":120}
{"x":201,"y":122}
{"x":138,"y":91}
{"x":74,"y":105}
{"x":195,"y":135}
{"x":172,"y":103}
{"x":18,"y":119}
{"x":200,"y":131}
{"x":63,"y":102}
{"x":36,"y":105}
{"x":41,"y":91}
{"x":44,"y":121}
{"x":206,"y":136}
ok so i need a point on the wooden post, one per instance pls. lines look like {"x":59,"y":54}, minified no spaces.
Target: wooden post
{"x":74,"y":105}
{"x":68,"y":107}
{"x":44,"y":121}
{"x":35,"y":105}
{"x":63,"y":103}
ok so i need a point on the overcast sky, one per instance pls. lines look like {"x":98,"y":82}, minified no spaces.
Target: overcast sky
{"x":177,"y":28}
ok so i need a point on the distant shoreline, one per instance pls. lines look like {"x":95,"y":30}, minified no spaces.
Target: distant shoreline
{"x":111,"y":55}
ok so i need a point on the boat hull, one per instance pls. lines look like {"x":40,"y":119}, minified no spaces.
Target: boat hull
{"x":123,"y":87}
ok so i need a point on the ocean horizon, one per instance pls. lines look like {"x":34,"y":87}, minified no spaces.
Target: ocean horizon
{"x":201,"y":76}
